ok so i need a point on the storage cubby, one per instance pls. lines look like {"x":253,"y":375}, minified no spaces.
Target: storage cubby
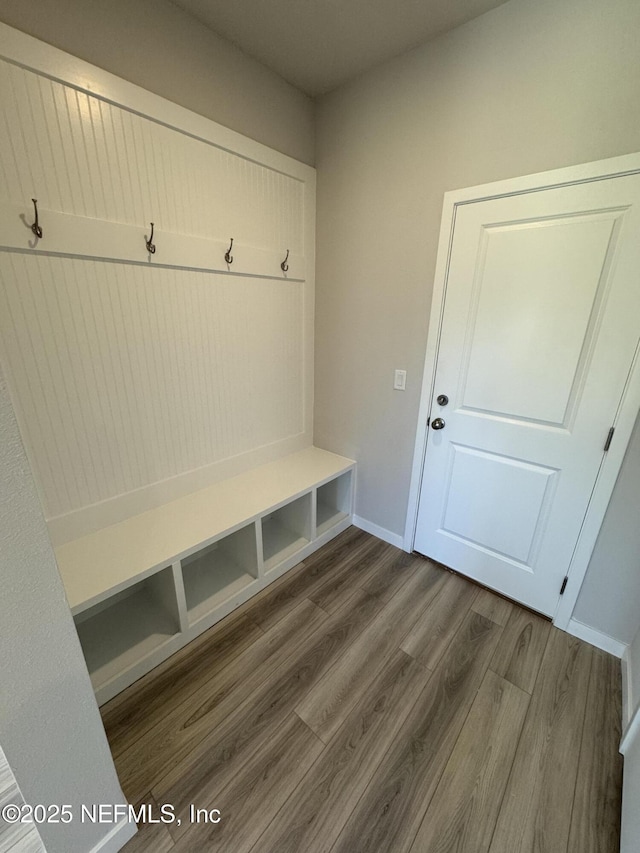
{"x":121,"y":632}
{"x":286,"y":531}
{"x":219,"y":571}
{"x":160,"y":578}
{"x":334,"y":503}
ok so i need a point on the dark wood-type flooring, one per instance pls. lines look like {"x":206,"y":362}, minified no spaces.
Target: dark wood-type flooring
{"x":372,"y":701}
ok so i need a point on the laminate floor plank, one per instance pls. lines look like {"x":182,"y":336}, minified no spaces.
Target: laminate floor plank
{"x":493,"y":607}
{"x":429,"y":638}
{"x":536,"y":813}
{"x":151,"y":837}
{"x":161,"y":748}
{"x":595,"y":822}
{"x":314,"y":815}
{"x":218,"y":757}
{"x":463,"y":811}
{"x":519,"y":655}
{"x":274,"y":601}
{"x":339,"y":549}
{"x":337,"y":566}
{"x":390,"y":812}
{"x":402,"y":758}
{"x":359,"y":566}
{"x":393,"y":573}
{"x":141,"y":706}
{"x":329,"y":701}
{"x":278,"y":767}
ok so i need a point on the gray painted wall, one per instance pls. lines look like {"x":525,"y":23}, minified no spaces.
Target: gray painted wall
{"x":50,"y":726}
{"x":527,"y":87}
{"x":162,"y":48}
{"x":630,"y":831}
{"x":610,"y":595}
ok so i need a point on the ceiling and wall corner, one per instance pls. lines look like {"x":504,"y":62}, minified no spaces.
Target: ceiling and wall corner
{"x":525,"y":88}
{"x":318,"y":45}
{"x":163,"y":49}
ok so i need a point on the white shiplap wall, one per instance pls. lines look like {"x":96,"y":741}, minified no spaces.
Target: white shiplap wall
{"x":137,"y":379}
{"x":79,"y":154}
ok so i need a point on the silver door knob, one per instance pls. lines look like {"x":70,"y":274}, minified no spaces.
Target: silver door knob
{"x":437,"y":423}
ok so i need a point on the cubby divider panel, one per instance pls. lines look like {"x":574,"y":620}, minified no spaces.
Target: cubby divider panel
{"x":286,"y":531}
{"x":333,"y":502}
{"x":219,"y":571}
{"x":128,"y":627}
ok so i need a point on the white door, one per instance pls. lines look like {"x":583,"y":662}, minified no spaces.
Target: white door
{"x":540,"y":325}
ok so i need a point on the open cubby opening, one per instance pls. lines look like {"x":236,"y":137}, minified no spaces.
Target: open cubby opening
{"x":286,"y":531}
{"x":334,"y":502}
{"x":215,"y":573}
{"x":122,"y":631}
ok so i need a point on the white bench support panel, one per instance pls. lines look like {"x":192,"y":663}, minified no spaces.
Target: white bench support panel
{"x":141,"y":589}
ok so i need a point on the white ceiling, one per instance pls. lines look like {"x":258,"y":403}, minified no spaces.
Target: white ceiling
{"x":319,"y":44}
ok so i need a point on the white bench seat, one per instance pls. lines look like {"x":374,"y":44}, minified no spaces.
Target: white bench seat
{"x":142,"y":588}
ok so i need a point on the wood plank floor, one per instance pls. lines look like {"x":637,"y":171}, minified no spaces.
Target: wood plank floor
{"x":372,"y":701}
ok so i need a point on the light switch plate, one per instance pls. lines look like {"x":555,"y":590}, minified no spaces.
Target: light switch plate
{"x":400,"y":380}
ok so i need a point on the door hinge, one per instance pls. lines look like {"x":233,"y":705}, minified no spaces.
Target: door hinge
{"x":607,"y":443}
{"x":564,"y":585}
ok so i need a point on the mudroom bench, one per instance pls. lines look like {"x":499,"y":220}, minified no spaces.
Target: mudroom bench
{"x":141,"y":589}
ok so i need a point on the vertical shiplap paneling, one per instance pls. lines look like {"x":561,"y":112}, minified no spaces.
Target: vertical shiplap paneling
{"x":128,"y":375}
{"x":125,"y":376}
{"x":81,"y":155}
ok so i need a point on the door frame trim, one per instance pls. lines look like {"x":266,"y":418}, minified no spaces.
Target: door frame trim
{"x":628,"y":408}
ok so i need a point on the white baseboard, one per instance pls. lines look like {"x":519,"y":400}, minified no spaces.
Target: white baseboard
{"x":380,"y":532}
{"x":627,"y":690}
{"x":596,"y":638}
{"x":116,"y":838}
